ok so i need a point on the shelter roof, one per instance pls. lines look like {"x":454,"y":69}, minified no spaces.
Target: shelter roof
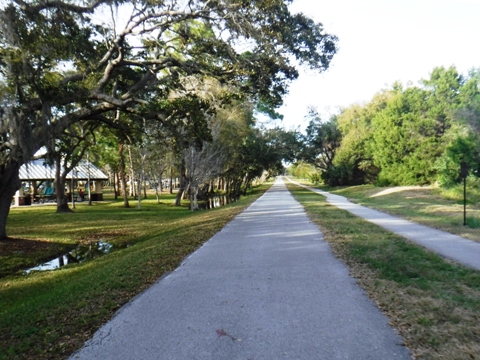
{"x":38,"y":170}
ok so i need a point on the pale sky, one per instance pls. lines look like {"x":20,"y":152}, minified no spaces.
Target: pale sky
{"x":381,"y":41}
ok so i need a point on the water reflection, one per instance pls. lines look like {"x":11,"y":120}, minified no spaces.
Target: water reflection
{"x":216,"y":202}
{"x":80,"y":254}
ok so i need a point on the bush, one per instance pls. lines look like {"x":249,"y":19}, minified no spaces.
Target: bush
{"x":315,"y":178}
{"x":336,"y":175}
{"x":302,"y":170}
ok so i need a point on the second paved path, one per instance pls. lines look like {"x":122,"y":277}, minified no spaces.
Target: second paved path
{"x":454,"y":247}
{"x":265,"y":287}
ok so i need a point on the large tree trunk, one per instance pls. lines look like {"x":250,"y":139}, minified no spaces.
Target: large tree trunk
{"x":186,"y":190}
{"x":115,"y":190}
{"x":9,"y":184}
{"x":227,"y":186}
{"x":183,"y":184}
{"x":181,"y":189}
{"x":246,"y":183}
{"x":122,"y":175}
{"x":195,"y":198}
{"x":62,"y":200}
{"x":160,"y":183}
{"x":226,"y":181}
{"x":139,"y":192}
{"x":89,"y":182}
{"x":193,"y":191}
{"x":156,"y":189}
{"x":193,"y":201}
{"x":132,"y":174}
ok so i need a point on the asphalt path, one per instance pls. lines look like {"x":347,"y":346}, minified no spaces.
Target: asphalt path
{"x":265,"y":287}
{"x":453,"y":247}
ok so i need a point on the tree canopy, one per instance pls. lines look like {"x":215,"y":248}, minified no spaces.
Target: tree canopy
{"x":404,"y":136}
{"x":62,"y":62}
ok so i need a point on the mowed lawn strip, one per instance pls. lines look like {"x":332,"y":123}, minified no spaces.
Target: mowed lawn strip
{"x":434,"y":304}
{"x":431,"y":206}
{"x":49,"y":315}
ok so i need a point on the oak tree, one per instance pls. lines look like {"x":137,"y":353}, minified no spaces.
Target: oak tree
{"x":60,"y":63}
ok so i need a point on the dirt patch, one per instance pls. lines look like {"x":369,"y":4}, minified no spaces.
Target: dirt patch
{"x":396,"y":189}
{"x":20,"y":254}
{"x":13,"y":246}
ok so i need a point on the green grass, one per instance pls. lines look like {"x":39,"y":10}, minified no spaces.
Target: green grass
{"x":432,"y":206}
{"x":48,"y":315}
{"x":473,"y":222}
{"x":434,"y":304}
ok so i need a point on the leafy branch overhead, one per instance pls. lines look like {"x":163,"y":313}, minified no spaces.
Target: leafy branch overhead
{"x":62,"y":62}
{"x":60,"y":65}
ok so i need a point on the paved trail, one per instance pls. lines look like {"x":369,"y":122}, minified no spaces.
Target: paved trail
{"x":265,"y":287}
{"x":454,"y":247}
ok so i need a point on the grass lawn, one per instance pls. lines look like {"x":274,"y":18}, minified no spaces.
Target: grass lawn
{"x":431,"y":206}
{"x":48,"y":315}
{"x":434,"y":305}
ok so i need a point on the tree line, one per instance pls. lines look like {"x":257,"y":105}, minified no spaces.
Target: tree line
{"x":413,"y":135}
{"x":146,"y":73}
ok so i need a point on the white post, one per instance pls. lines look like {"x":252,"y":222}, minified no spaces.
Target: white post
{"x":73,"y":188}
{"x":18,"y":195}
{"x":89,"y":191}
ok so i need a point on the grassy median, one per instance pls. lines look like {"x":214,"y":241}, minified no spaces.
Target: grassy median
{"x":48,"y":315}
{"x":428,"y":205}
{"x":434,"y":304}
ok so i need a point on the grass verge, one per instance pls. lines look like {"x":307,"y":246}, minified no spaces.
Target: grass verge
{"x":434,"y":304}
{"x":49,"y":315}
{"x":431,"y":206}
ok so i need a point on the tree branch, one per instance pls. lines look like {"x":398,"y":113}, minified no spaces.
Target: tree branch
{"x":57,"y":4}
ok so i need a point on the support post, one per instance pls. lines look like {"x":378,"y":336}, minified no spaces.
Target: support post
{"x":73,"y":188}
{"x":464,"y":174}
{"x":89,"y":182}
{"x":465,"y":201}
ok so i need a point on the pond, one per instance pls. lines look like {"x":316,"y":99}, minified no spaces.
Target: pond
{"x":80,"y":254}
{"x":216,"y":201}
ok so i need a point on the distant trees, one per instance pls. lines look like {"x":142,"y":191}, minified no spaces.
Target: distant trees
{"x":463,"y":140}
{"x":416,"y":135}
{"x":202,"y":163}
{"x":304,"y":170}
{"x":322,"y":141}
